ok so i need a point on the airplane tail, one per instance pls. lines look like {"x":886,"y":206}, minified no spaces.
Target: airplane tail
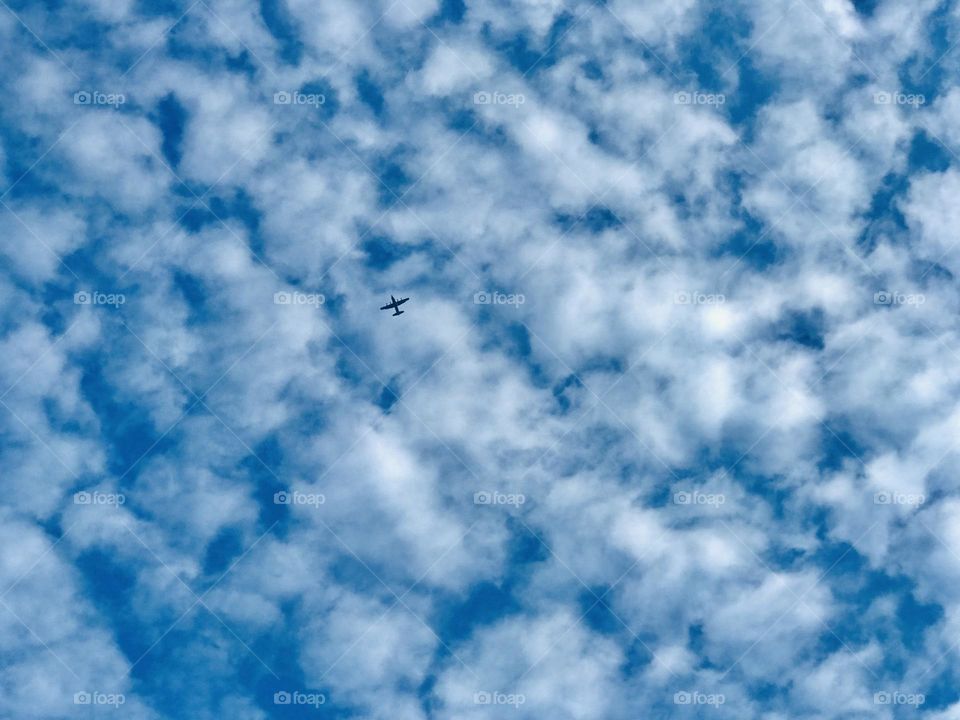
{"x":397,"y":311}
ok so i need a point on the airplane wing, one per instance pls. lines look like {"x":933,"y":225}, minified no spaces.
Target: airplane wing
{"x":402,"y":301}
{"x":388,"y":307}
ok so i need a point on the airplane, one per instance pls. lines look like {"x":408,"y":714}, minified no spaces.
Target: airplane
{"x":394,"y":305}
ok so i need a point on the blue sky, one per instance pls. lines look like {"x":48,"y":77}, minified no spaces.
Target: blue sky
{"x":667,"y":429}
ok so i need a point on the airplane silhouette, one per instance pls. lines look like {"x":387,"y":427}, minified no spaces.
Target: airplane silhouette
{"x":394,"y":305}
